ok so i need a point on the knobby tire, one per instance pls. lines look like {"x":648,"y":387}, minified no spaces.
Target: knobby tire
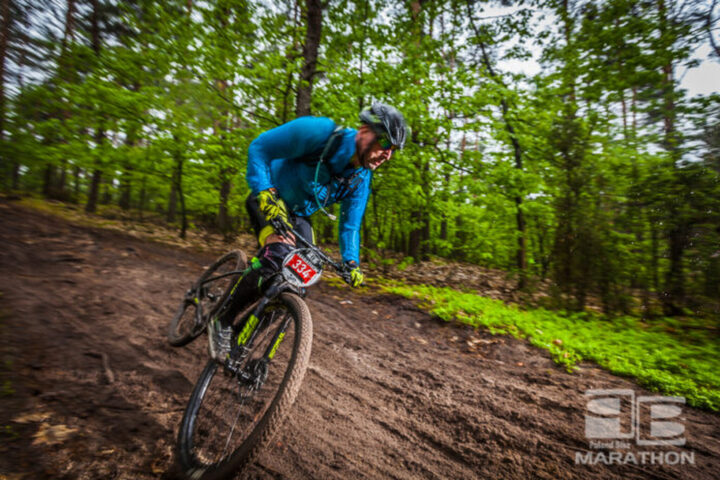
{"x":200,"y":421}
{"x":183,"y":328}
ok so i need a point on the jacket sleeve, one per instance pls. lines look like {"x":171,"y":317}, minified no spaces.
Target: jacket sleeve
{"x":351,"y":216}
{"x":293,"y":139}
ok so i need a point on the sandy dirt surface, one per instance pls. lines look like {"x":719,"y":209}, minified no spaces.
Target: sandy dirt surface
{"x":92,"y":390}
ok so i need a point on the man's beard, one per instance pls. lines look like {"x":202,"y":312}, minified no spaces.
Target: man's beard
{"x":362,"y":156}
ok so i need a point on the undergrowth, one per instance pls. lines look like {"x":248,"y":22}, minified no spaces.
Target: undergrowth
{"x":664,"y":356}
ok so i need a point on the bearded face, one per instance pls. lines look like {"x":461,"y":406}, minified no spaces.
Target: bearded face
{"x":370,"y":152}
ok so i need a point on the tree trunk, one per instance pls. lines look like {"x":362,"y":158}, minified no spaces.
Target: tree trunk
{"x":172,"y":201}
{"x":4,"y":39}
{"x":623,"y":103}
{"x":674,"y":289}
{"x":362,"y":48}
{"x":69,"y":34}
{"x":93,"y":194}
{"x":106,"y":198}
{"x":178,"y":184}
{"x":709,"y":24}
{"x":183,"y":212}
{"x":143,"y":195}
{"x":126,"y":180}
{"x":125,"y":191}
{"x":674,"y":292}
{"x":521,"y":254}
{"x":415,"y":240}
{"x":655,"y":257}
{"x":290,"y":58}
{"x":16,"y":176}
{"x":313,"y":34}
{"x":461,"y":243}
{"x":63,"y":178}
{"x":48,"y":180}
{"x":712,"y":278}
{"x":223,"y":215}
{"x":425,"y":244}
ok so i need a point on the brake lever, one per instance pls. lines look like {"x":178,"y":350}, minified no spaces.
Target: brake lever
{"x":279,"y":227}
{"x":346,"y":274}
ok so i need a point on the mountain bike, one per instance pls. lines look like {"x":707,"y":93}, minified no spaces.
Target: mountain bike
{"x":236,"y":407}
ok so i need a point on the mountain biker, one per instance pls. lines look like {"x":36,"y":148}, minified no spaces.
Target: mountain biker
{"x":297,"y":169}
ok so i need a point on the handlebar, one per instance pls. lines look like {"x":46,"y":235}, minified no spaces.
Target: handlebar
{"x":282,"y":229}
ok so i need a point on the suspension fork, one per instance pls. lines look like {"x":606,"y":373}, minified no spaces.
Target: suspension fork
{"x":219,"y":310}
{"x":277,"y":339}
{"x":248,"y":330}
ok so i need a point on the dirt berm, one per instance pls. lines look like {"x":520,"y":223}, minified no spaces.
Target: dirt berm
{"x":92,"y":390}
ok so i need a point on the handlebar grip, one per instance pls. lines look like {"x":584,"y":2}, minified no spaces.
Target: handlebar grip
{"x":279,"y":226}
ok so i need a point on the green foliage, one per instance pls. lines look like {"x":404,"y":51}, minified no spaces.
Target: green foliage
{"x":405,"y":263}
{"x":667,"y":356}
{"x":597,"y":168}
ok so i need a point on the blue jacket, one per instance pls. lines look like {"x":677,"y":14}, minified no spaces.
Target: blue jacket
{"x":275,"y":160}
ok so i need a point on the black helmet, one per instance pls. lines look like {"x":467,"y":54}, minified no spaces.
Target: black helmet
{"x":386,"y":120}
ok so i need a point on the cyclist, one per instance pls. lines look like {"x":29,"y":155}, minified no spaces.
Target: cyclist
{"x":297,"y":169}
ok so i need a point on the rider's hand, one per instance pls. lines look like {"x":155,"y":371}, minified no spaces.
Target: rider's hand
{"x":355,"y":276}
{"x":273,"y":206}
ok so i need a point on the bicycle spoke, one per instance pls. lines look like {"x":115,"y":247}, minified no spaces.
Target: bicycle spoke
{"x":232,"y":429}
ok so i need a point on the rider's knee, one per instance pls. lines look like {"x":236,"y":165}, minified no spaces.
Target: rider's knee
{"x":272,"y":255}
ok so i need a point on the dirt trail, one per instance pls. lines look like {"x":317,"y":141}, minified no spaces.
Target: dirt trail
{"x":90,"y":388}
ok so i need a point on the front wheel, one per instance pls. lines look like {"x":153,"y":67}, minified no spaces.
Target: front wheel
{"x":202,"y":299}
{"x":231,"y":418}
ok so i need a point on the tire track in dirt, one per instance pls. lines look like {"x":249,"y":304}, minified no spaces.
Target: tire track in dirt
{"x":390,"y":392}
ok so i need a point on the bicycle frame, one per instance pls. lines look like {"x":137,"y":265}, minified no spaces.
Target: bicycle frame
{"x":254,"y":322}
{"x":194,"y":294}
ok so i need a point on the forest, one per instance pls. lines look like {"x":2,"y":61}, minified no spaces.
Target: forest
{"x":597,"y":171}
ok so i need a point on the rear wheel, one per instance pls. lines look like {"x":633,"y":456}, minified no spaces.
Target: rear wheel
{"x":228,"y":421}
{"x":187,"y":324}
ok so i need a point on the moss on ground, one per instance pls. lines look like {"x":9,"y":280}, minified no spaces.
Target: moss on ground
{"x":666,"y":355}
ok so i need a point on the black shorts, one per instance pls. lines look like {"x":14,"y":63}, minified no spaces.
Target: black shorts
{"x":258,"y":222}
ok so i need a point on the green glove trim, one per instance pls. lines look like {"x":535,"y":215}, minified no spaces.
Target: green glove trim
{"x":356,"y":275}
{"x":273,"y":207}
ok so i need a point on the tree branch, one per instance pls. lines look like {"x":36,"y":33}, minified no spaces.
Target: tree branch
{"x":236,"y":106}
{"x":709,"y":24}
{"x":447,"y":162}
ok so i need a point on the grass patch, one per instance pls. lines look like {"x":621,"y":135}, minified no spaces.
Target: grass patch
{"x":664,"y":356}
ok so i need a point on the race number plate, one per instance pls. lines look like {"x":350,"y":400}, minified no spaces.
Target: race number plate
{"x":301,"y":268}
